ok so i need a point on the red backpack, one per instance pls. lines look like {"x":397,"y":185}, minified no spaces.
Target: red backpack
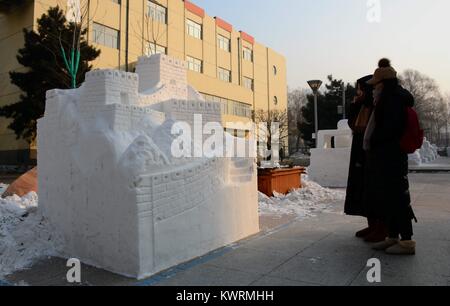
{"x":413,"y":136}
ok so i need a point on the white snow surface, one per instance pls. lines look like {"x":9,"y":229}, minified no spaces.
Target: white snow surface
{"x":25,"y":235}
{"x":305,"y":202}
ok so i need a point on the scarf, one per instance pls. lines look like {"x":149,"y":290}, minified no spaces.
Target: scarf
{"x":371,"y":124}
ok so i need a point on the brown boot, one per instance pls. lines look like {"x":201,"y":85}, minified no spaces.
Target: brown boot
{"x":386,"y":244}
{"x":367,"y":231}
{"x":403,"y":248}
{"x":379,"y":234}
{"x":363,"y":233}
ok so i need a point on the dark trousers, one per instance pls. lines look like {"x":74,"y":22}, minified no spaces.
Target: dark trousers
{"x":401,"y":225}
{"x":399,"y":220}
{"x":386,"y":192}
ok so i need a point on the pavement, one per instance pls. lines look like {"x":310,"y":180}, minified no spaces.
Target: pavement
{"x":319,"y":251}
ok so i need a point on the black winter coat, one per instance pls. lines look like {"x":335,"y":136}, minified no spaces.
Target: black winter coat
{"x":355,"y":186}
{"x":386,"y":180}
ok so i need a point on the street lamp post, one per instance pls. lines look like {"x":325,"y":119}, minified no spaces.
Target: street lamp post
{"x":315,"y":85}
{"x":341,"y":108}
{"x":343,"y":101}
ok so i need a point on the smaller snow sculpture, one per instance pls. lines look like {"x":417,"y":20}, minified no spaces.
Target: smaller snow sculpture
{"x":330,"y":164}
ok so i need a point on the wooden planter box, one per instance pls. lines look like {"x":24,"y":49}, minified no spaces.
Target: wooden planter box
{"x":279,"y":180}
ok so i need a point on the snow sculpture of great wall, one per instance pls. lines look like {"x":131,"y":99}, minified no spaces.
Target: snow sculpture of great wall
{"x":111,"y":187}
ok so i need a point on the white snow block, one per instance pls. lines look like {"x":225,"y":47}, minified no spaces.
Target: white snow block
{"x":415,"y":159}
{"x":329,"y":165}
{"x":342,"y":137}
{"x":110,"y":186}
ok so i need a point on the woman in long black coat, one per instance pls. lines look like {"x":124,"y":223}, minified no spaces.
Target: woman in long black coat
{"x":355,"y":187}
{"x":387,"y":194}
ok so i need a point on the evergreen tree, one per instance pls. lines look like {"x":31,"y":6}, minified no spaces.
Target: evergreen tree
{"x":46,"y":70}
{"x":328,"y":103}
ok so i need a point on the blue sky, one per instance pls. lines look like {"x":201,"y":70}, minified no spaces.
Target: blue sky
{"x":321,"y":37}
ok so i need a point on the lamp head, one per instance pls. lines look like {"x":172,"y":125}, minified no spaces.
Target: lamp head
{"x":315,"y":85}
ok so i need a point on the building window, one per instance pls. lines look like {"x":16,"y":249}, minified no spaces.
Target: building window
{"x":224,"y":43}
{"x":275,"y":100}
{"x":248,"y":54}
{"x":152,"y":48}
{"x":230,"y":107}
{"x":275,"y":70}
{"x":193,"y":29}
{"x":224,"y":75}
{"x":156,"y":12}
{"x":248,"y":83}
{"x":105,"y":36}
{"x":194,"y":64}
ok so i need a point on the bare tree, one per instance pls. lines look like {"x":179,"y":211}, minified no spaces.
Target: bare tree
{"x":297,"y":99}
{"x":430,"y":104}
{"x":269,"y":118}
{"x":152,"y":30}
{"x":155,"y":31}
{"x":446,"y":120}
{"x":78,"y":16}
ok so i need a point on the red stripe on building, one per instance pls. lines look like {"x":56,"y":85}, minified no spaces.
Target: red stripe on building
{"x":191,"y":7}
{"x":247,"y":38}
{"x":223,"y":24}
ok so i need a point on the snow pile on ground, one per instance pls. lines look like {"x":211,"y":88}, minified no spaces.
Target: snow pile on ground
{"x":25,"y":235}
{"x":304,"y":202}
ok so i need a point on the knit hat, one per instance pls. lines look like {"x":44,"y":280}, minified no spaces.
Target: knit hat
{"x":381,"y":74}
{"x":384,"y":62}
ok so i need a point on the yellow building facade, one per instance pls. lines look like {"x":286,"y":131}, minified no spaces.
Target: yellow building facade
{"x":226,"y":65}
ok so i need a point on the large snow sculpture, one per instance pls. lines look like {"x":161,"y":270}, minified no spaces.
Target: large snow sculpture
{"x":110,"y":185}
{"x":330,"y":164}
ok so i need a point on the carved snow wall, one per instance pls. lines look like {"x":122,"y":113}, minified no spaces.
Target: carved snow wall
{"x":110,"y":186}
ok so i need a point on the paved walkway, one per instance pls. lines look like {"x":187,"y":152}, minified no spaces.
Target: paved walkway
{"x":316,"y":251}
